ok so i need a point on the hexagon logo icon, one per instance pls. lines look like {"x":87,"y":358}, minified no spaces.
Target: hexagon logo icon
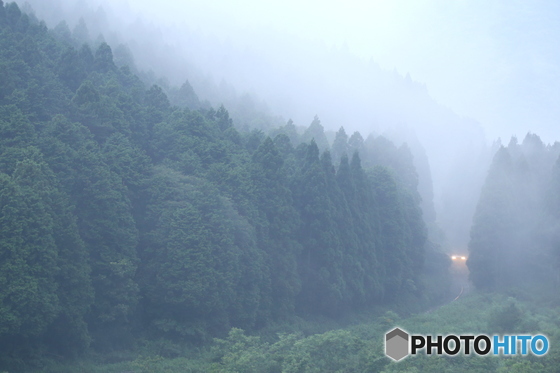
{"x":396,"y":344}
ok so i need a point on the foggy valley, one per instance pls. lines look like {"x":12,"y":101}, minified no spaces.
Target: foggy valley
{"x":231,"y":187}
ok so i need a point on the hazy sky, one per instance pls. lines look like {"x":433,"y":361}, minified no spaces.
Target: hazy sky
{"x":495,"y":61}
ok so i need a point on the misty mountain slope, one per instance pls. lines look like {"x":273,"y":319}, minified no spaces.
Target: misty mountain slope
{"x":514,"y":237}
{"x":262,"y":75}
{"x":142,"y":46}
{"x":128,"y":219}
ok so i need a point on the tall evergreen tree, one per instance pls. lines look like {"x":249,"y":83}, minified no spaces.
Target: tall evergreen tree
{"x":392,"y":243}
{"x":277,"y":229}
{"x":316,"y":132}
{"x":29,"y":301}
{"x":492,"y":224}
{"x":320,"y":293}
{"x":340,"y":145}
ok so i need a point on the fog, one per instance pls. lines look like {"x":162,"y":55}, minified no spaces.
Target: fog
{"x":449,"y":78}
{"x":216,"y":186}
{"x":491,"y":62}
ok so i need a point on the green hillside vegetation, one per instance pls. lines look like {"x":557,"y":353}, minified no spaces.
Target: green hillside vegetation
{"x":126,"y":220}
{"x":359,"y":348}
{"x":142,"y":230}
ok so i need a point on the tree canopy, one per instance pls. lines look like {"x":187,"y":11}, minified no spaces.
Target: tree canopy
{"x":124,"y":212}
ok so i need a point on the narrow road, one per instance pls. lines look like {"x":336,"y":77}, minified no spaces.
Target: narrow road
{"x":459,"y":296}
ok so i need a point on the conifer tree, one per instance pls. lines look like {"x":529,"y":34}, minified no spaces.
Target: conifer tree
{"x":316,"y":132}
{"x":277,"y":228}
{"x":340,"y":145}
{"x":492,"y":224}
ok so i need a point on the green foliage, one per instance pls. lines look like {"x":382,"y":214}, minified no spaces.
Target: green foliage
{"x":337,"y":351}
{"x":276,"y":230}
{"x":241,"y":353}
{"x":505,"y":319}
{"x":103,"y":61}
{"x":126,"y":218}
{"x":358,"y":348}
{"x":29,"y":302}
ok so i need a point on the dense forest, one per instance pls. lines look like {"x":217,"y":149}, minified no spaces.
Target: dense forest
{"x":128,"y":212}
{"x":144,"y":229}
{"x":515,"y":233}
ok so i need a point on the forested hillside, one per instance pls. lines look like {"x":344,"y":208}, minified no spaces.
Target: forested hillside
{"x":514,"y":238}
{"x":124,"y":217}
{"x":262,"y":75}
